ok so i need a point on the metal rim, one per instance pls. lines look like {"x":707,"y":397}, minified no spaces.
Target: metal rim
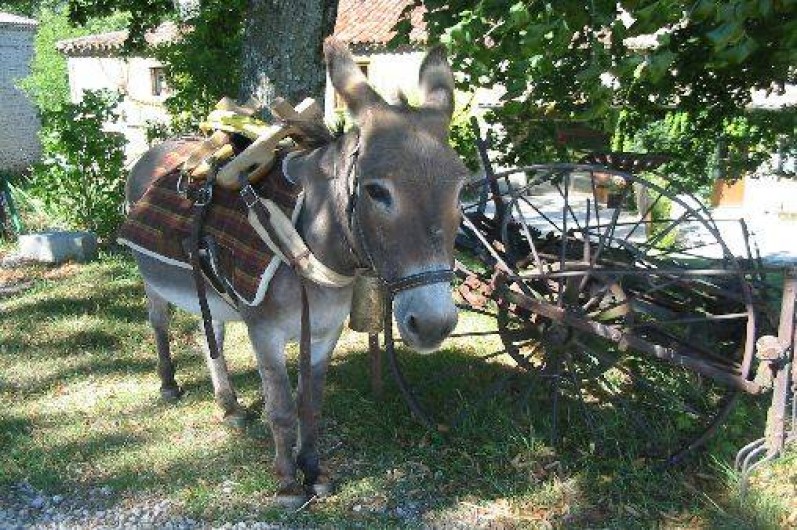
{"x":584,"y":253}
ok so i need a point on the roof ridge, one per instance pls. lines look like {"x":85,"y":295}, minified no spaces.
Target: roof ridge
{"x":12,"y":19}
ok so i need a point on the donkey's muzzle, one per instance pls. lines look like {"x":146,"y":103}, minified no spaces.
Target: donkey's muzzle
{"x":425,"y":315}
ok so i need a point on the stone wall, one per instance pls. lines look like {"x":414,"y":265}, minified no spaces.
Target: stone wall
{"x":19,"y":121}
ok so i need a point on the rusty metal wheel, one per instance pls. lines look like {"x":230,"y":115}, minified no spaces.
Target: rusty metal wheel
{"x":622,"y":297}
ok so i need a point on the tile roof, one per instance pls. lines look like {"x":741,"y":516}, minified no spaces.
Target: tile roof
{"x":105,"y":43}
{"x":361,"y":23}
{"x":7,"y":19}
{"x":370,"y":23}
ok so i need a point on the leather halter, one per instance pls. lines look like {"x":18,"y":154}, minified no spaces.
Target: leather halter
{"x":359,"y":245}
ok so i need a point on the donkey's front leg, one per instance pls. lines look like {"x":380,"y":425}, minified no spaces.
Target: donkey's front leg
{"x":280,"y":409}
{"x":315,"y":478}
{"x":223,"y":391}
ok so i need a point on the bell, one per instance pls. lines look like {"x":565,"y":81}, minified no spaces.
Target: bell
{"x":367,"y":304}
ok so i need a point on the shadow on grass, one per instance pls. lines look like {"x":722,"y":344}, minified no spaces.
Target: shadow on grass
{"x":386,"y":464}
{"x":389,"y":469}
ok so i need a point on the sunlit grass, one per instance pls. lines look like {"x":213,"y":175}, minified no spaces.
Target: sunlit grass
{"x":79,"y":408}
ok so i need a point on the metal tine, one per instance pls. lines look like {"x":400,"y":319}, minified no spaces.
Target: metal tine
{"x":563,"y":250}
{"x":488,"y":394}
{"x":745,"y":476}
{"x":749,"y":462}
{"x":529,"y":239}
{"x":587,"y":413}
{"x":744,"y":451}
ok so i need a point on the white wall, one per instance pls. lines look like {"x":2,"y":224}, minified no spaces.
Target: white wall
{"x":130,"y":77}
{"x":387,"y":73}
{"x":19,"y":121}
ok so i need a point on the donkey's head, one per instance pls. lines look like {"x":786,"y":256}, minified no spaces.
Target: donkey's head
{"x":409,"y":178}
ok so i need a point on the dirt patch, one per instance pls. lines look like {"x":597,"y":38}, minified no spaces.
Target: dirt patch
{"x":18,"y":274}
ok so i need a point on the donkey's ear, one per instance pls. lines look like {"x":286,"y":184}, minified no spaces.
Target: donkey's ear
{"x":348,"y":80}
{"x":437,"y":82}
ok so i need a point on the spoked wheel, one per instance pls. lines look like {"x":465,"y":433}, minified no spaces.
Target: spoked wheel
{"x":626,"y":303}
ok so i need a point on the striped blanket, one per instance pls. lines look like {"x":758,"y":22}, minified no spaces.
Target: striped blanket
{"x":158,"y":224}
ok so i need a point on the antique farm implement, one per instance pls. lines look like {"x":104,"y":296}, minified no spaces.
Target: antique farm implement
{"x":621,"y":301}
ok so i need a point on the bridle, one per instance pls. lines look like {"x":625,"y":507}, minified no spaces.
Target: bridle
{"x":390,"y":286}
{"x":359,"y":243}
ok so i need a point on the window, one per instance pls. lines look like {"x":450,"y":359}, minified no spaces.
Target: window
{"x":339,"y":104}
{"x":158,"y":81}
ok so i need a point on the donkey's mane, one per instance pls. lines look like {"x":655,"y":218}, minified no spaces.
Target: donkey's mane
{"x":315,"y":133}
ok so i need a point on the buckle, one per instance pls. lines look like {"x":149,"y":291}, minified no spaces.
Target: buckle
{"x":249,"y":195}
{"x":204,"y":194}
{"x":182,"y":184}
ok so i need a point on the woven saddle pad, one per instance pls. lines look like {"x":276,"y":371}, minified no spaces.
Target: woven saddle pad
{"x":159,"y":223}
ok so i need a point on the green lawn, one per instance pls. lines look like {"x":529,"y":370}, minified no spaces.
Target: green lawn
{"x":79,"y":409}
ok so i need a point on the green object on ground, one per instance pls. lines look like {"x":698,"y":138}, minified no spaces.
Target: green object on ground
{"x":7,"y":201}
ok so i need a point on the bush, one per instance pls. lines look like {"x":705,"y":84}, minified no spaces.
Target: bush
{"x":80,"y":180}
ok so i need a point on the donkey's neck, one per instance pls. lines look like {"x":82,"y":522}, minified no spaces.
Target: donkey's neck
{"x":324,"y":222}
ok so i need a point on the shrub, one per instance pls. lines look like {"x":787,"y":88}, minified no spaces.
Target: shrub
{"x":80,"y":180}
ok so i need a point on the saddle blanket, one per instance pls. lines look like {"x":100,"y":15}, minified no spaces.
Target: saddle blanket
{"x":159,"y":223}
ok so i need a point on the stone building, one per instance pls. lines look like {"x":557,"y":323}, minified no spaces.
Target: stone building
{"x":19,"y":121}
{"x":95,"y":62}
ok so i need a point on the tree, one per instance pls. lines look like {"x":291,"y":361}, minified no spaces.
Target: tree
{"x":619,"y":65}
{"x":281,"y":52}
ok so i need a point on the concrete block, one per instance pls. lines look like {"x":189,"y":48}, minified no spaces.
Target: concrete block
{"x":57,"y":247}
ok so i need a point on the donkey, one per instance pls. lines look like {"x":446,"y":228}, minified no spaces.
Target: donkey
{"x":384,"y":195}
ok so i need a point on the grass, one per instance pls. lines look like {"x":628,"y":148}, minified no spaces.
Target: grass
{"x":79,"y":409}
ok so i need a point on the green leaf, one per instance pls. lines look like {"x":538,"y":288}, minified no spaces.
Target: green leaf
{"x":703,"y":10}
{"x":519,"y":14}
{"x":739,"y":53}
{"x":658,"y":65}
{"x":725,"y":34}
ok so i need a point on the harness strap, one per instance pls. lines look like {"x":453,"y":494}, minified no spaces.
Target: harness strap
{"x":267,"y":223}
{"x":392,"y":288}
{"x":305,"y":405}
{"x":416,"y":280}
{"x":279,"y":234}
{"x":201,"y":204}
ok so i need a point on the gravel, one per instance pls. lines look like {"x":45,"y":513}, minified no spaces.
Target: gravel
{"x":23,"y":506}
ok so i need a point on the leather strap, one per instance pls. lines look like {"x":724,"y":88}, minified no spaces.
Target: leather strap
{"x":279,"y":234}
{"x":306,"y":412}
{"x":200,"y":210}
{"x":416,"y":280}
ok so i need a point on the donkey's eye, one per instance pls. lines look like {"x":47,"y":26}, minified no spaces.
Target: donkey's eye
{"x":379,"y":193}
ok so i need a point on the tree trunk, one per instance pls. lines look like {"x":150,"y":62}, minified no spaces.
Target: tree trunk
{"x":282,"y":50}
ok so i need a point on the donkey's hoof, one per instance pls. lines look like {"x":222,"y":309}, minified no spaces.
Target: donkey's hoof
{"x":291,"y":497}
{"x":322,"y":488}
{"x":236,"y":419}
{"x":171,"y":394}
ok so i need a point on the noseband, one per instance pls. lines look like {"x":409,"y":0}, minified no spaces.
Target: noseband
{"x":359,"y":244}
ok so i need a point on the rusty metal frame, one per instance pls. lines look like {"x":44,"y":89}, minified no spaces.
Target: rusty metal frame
{"x":778,"y":370}
{"x":782,"y":380}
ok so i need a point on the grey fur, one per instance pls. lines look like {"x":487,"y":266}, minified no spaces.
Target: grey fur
{"x":414,"y":233}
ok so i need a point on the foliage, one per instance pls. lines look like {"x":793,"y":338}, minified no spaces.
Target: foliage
{"x":204,"y":65}
{"x":462,"y":137}
{"x":144,"y":15}
{"x":80,"y":179}
{"x":574,"y":60}
{"x":48,"y":83}
{"x":745,"y":142}
{"x":25,"y":8}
